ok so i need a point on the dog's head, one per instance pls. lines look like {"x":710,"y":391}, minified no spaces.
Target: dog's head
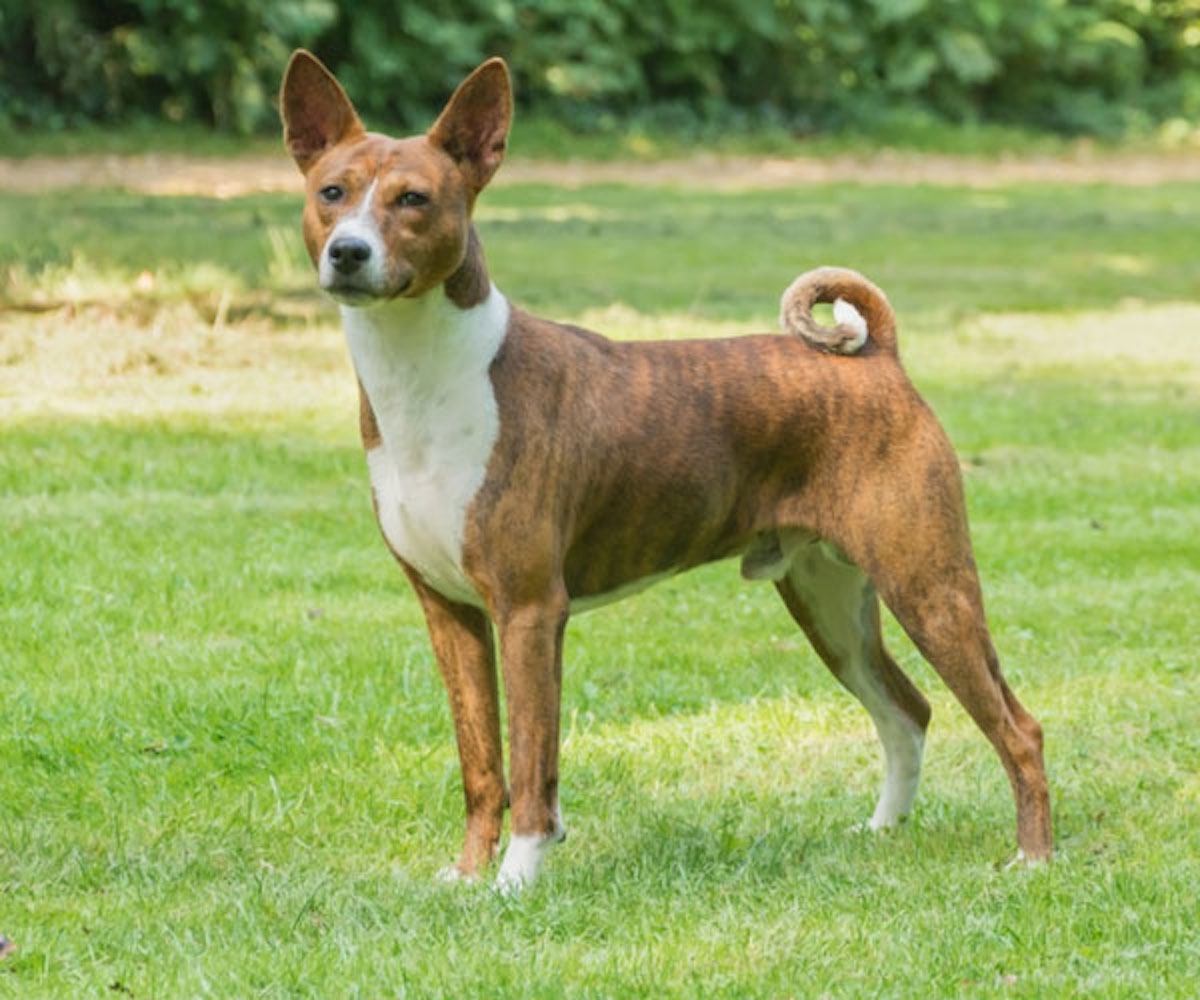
{"x":384,"y":217}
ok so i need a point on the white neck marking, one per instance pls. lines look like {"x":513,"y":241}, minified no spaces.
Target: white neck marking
{"x":424,"y":365}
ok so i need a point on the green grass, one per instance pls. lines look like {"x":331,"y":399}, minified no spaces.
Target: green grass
{"x":226,"y":764}
{"x":720,"y":256}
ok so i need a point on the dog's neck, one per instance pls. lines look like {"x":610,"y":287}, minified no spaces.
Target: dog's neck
{"x":423,"y":364}
{"x":405,"y":343}
{"x":461,"y":322}
{"x":469,"y":285}
{"x":450,"y":333}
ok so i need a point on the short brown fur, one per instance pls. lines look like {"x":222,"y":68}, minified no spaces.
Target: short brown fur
{"x":618,"y":461}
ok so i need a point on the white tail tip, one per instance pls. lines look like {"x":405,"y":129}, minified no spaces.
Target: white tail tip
{"x":844,"y":314}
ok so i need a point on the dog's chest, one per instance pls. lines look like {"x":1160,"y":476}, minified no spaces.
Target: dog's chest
{"x":424,"y":366}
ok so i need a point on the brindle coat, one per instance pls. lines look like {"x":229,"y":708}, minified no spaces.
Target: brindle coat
{"x":620,"y":461}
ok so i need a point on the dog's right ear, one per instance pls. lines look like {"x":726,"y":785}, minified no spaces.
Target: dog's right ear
{"x":315,"y":110}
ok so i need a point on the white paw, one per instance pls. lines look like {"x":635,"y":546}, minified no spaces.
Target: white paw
{"x":875,"y":825}
{"x":885,"y":819}
{"x":452,"y":874}
{"x":1023,"y":863}
{"x":523,"y":859}
{"x":522,"y":862}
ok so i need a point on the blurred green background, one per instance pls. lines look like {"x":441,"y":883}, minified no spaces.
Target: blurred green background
{"x":1108,"y":68}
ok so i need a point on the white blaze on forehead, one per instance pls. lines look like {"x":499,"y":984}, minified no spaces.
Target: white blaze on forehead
{"x":359,"y":223}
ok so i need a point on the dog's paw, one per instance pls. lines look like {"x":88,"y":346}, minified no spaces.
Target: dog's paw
{"x":868,"y":827}
{"x":510,"y":886}
{"x":524,"y":857}
{"x":887,"y":821}
{"x":453,"y":875}
{"x":1022,"y":862}
{"x":522,"y":862}
{"x":881,"y":822}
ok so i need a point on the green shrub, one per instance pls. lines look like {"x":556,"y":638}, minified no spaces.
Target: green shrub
{"x":1066,"y":65}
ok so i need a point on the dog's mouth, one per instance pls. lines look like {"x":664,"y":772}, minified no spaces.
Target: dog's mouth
{"x":349,"y":295}
{"x":349,"y":292}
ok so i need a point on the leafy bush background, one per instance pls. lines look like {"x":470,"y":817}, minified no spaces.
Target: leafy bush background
{"x":1102,"y":67}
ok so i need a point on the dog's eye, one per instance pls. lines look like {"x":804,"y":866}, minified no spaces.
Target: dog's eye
{"x":331,"y":193}
{"x":412,"y":199}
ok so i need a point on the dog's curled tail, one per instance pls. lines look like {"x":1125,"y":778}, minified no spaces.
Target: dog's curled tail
{"x":860,"y":311}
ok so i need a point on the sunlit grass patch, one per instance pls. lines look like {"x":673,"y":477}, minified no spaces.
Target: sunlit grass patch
{"x":1153,"y":342}
{"x":137,"y":359}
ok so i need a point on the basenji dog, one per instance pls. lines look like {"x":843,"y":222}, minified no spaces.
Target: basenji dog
{"x":522,"y":469}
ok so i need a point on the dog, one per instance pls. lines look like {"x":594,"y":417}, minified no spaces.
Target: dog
{"x":522,"y":469}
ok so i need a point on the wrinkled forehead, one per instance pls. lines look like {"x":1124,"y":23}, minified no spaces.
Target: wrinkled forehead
{"x":413,"y":161}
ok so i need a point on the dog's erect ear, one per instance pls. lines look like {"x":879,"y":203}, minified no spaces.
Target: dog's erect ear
{"x":473,"y":127}
{"x":315,"y":110}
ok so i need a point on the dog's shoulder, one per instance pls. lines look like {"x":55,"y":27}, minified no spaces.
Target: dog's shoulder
{"x":533,"y":343}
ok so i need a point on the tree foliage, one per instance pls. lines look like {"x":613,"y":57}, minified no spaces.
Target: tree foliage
{"x":1098,"y":66}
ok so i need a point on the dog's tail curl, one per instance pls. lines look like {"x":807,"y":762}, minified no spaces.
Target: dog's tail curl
{"x":861,"y":311}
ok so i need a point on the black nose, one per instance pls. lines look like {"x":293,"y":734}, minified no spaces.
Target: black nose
{"x":349,"y":254}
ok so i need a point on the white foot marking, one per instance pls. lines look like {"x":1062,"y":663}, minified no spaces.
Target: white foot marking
{"x":452,"y":874}
{"x":525,"y":854}
{"x":523,"y":859}
{"x":1022,"y":861}
{"x":840,"y":599}
{"x":904,"y":744}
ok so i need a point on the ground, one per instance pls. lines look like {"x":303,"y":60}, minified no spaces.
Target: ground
{"x":226,"y":764}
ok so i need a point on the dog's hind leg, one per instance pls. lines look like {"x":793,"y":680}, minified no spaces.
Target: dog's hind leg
{"x":942,"y":611}
{"x":835,"y":603}
{"x":912,"y":539}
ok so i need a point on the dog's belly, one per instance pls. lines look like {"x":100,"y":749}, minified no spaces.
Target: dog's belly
{"x":590,"y":601}
{"x":762,"y":559}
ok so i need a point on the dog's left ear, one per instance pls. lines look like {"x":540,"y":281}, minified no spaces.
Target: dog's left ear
{"x":473,"y":127}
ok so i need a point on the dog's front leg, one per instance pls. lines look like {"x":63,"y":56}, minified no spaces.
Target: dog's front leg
{"x":462,"y":644}
{"x":531,"y":639}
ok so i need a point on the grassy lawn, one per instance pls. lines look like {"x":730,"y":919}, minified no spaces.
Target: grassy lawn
{"x":226,"y":763}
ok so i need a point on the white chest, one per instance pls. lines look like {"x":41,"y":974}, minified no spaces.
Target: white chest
{"x":424,"y":365}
